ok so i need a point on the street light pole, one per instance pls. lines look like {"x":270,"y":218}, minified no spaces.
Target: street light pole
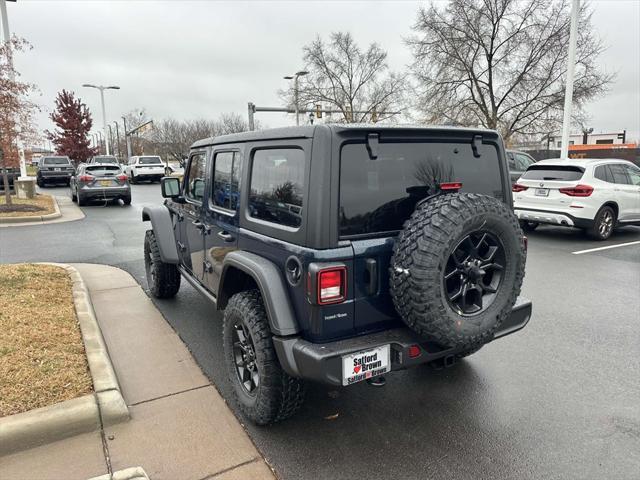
{"x":104,"y":113}
{"x":118,"y":139}
{"x":126,"y":138}
{"x":568,"y":93}
{"x":295,"y":91}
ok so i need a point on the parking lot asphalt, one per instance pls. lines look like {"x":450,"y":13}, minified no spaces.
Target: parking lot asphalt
{"x":560,"y":399}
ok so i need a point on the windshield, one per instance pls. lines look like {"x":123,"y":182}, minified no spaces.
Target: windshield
{"x":565,"y":173}
{"x":105,"y":159}
{"x":103,"y":170}
{"x":149,"y":160}
{"x":56,"y":161}
{"x":379,"y":195}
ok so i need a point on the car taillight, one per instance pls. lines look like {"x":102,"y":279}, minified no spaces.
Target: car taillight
{"x":516,"y":187}
{"x":332,"y":285}
{"x":451,"y":186}
{"x":577,"y":191}
{"x":86,"y":178}
{"x":122,"y":177}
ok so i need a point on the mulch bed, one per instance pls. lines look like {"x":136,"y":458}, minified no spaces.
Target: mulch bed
{"x":40,"y":205}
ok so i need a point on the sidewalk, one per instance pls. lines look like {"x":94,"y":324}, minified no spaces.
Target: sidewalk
{"x":180,"y":427}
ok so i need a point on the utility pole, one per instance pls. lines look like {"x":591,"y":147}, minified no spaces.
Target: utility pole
{"x":568,"y":94}
{"x":117,"y":139}
{"x":127,"y":139}
{"x":7,"y":39}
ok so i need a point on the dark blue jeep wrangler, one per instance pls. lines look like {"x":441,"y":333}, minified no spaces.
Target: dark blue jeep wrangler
{"x":340,"y":253}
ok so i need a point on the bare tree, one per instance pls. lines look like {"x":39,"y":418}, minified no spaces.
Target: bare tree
{"x":502,"y":64}
{"x":348,"y":79}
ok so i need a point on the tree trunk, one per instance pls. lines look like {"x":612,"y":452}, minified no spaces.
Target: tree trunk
{"x":5,"y":180}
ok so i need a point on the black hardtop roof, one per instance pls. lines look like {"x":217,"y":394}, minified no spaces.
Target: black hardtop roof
{"x":307,"y":131}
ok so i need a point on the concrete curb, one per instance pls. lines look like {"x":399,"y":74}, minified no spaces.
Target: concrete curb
{"x":104,"y":407}
{"x":36,"y":218}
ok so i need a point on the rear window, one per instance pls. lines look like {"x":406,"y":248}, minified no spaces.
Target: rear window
{"x":56,"y":161}
{"x":149,"y":160}
{"x":378,"y":195}
{"x":103,"y":169}
{"x":566,"y":173}
{"x":105,"y":159}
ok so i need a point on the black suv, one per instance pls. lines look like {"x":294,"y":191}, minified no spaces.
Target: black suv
{"x":339,"y":253}
{"x":54,"y":169}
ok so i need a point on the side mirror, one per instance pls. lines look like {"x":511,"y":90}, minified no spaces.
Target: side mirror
{"x":170,"y":187}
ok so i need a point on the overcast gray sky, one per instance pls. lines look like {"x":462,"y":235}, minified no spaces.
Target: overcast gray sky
{"x":190,"y":59}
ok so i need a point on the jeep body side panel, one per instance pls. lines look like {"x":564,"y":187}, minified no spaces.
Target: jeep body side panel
{"x":272,"y":286}
{"x":163,"y":229}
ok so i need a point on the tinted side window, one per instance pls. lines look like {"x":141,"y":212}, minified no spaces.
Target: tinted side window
{"x":634,"y":174}
{"x":195,"y":178}
{"x":523,"y":161}
{"x":225,"y":180}
{"x":619,"y":174}
{"x":277,"y":186}
{"x":511,"y":161}
{"x":602,"y":173}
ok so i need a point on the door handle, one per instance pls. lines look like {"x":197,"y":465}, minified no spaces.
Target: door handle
{"x":226,"y":236}
{"x":198,"y":224}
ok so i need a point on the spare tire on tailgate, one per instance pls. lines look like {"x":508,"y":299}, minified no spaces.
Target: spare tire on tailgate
{"x":457,"y":268}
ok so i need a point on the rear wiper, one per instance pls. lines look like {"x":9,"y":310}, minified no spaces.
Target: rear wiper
{"x":551,"y":178}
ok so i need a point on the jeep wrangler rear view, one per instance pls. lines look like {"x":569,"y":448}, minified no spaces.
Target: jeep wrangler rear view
{"x":341,"y":253}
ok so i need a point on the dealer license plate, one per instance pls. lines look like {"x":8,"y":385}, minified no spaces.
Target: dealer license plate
{"x":105,"y":183}
{"x":365,"y":364}
{"x":542,"y":192}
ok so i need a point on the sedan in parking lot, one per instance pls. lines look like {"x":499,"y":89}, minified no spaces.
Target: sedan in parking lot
{"x":596,"y":195}
{"x":100,"y":182}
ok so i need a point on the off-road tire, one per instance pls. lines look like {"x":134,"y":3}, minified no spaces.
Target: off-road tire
{"x":278,"y":395}
{"x":594,"y":231}
{"x":528,"y":226}
{"x":163,"y":278}
{"x":420,"y":256}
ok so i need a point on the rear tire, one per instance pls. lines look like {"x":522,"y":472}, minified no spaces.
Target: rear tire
{"x":127,"y":200}
{"x":528,"y":226}
{"x":603,"y":224}
{"x":267,"y":394}
{"x":74,"y":197}
{"x":163,"y":278}
{"x":81,"y":201}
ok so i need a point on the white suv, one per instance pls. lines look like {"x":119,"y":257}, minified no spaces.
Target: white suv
{"x":144,"y":167}
{"x":594,"y":194}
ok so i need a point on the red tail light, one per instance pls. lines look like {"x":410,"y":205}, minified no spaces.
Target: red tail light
{"x":122,"y":178}
{"x":516,"y":187}
{"x":414,"y":351}
{"x":451,"y":186}
{"x":86,"y":178}
{"x":578,"y":191}
{"x":332,"y":285}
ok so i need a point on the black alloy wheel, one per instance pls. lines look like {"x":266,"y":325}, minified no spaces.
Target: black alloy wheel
{"x":473,"y":273}
{"x":244,"y":355}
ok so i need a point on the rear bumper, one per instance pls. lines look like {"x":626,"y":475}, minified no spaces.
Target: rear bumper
{"x":55,"y":176}
{"x":107,"y":192}
{"x":322,"y":362}
{"x":552,"y":218}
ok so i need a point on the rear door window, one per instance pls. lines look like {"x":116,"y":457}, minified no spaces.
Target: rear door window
{"x":378,"y":195}
{"x":565,"y":173}
{"x":619,"y":174}
{"x":226,"y":180}
{"x":276,"y":187}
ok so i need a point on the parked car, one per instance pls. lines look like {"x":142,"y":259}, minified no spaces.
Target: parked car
{"x":96,"y":181}
{"x":54,"y":169}
{"x":596,"y":195}
{"x":518,"y":162}
{"x":104,"y":159}
{"x":147,"y":167}
{"x":340,"y":253}
{"x":174,"y":168}
{"x":12,"y":175}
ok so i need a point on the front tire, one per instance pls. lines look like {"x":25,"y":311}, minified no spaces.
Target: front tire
{"x":264,"y":391}
{"x":603,"y":224}
{"x":163,"y":278}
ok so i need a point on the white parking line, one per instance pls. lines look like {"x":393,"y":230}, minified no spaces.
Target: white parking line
{"x":580,"y":252}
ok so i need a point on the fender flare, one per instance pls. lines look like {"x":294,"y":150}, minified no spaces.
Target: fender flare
{"x":272,"y":287}
{"x":162,"y":226}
